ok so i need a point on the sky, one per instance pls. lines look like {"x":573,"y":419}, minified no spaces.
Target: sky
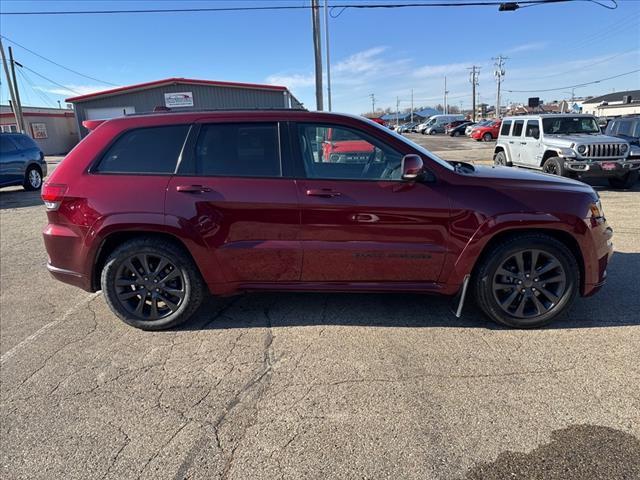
{"x":387,"y":52}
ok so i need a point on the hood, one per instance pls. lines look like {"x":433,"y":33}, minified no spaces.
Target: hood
{"x":581,"y":138}
{"x":350,"y":146}
{"x":520,"y":178}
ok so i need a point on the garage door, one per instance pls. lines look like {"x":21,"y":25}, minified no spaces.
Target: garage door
{"x":106,"y":113}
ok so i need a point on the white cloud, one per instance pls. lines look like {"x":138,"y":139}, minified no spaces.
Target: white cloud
{"x":293,"y":81}
{"x":71,"y":90}
{"x":526,"y":47}
{"x":440,"y":70}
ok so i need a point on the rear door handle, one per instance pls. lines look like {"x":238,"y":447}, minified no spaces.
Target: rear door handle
{"x":511,"y":142}
{"x":192,"y":188}
{"x":523,"y":143}
{"x":365,"y":218}
{"x":322,"y":192}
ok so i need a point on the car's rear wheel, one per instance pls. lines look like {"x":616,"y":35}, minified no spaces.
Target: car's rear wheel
{"x":432,"y":132}
{"x":526,"y":281}
{"x":487,"y":137}
{"x":456,"y":133}
{"x":152,"y":284}
{"x":625,"y":181}
{"x":32,"y":179}
{"x":554,"y":166}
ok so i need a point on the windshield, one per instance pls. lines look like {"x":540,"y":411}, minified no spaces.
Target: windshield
{"x":569,"y":125}
{"x":421,"y":149}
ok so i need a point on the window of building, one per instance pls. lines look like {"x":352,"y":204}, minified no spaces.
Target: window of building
{"x":145,"y":150}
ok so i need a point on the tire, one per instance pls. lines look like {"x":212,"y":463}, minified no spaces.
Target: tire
{"x":487,"y":137}
{"x":493,"y":291}
{"x":626,"y":181}
{"x":500,"y":159}
{"x":32,"y":179}
{"x":456,"y":133}
{"x":125,"y":298}
{"x":432,"y":132}
{"x":554,"y":166}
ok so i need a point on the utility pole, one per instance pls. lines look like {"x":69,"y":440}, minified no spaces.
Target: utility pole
{"x":11,"y":92}
{"x":473,"y":79}
{"x":499,"y":73}
{"x":397,"y":111}
{"x":12,"y":64}
{"x":412,"y":105}
{"x":445,"y":108}
{"x":59,"y":105}
{"x":373,"y":102}
{"x":326,"y":41}
{"x":317,"y":49}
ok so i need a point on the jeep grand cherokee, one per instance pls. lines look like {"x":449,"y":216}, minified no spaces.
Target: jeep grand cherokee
{"x":156,"y":210}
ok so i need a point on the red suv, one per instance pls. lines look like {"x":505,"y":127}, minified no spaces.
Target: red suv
{"x":156,"y":210}
{"x":486,"y":133}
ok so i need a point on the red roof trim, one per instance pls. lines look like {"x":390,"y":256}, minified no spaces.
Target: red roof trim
{"x":169,"y":81}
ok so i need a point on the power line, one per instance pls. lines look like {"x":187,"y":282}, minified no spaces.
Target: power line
{"x":477,"y":3}
{"x":56,"y":63}
{"x":48,"y":79}
{"x":575,"y":86}
{"x":46,"y":98}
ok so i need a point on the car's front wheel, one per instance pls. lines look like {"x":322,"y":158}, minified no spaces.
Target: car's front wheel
{"x":152,"y":284}
{"x":526,"y":281}
{"x":625,"y":181}
{"x":32,"y":179}
{"x":554,"y":166}
{"x":487,"y":137}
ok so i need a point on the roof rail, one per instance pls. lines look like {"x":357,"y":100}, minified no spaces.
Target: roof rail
{"x":157,"y":110}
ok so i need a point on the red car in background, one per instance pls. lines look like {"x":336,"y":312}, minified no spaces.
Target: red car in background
{"x":486,"y":133}
{"x":341,"y":146}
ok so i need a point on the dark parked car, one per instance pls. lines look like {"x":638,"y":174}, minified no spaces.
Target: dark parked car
{"x":459,"y":129}
{"x":158,"y":210}
{"x":627,"y":128}
{"x":21,"y":162}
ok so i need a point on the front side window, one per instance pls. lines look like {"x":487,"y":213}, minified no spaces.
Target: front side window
{"x":335,"y":152}
{"x":517,"y":128}
{"x":238,"y":150}
{"x":506,"y":125}
{"x":533,"y":129}
{"x":152,"y":150}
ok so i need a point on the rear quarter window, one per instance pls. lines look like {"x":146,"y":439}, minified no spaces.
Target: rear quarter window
{"x":504,"y":130}
{"x":152,"y":150}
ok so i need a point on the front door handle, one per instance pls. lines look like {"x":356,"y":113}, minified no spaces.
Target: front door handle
{"x":365,"y":218}
{"x":523,"y":143}
{"x":322,"y":192}
{"x":192,"y":188}
{"x":511,"y":142}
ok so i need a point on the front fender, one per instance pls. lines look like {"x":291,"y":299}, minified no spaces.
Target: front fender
{"x":463,"y":262}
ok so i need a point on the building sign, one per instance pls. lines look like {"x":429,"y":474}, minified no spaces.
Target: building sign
{"x":178,"y":99}
{"x":39,"y":130}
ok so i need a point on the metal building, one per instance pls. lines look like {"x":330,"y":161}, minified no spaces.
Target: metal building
{"x":178,"y":94}
{"x":54,"y":129}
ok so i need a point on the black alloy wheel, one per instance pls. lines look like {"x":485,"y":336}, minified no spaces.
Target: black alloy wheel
{"x":529,"y":284}
{"x":149,"y":287}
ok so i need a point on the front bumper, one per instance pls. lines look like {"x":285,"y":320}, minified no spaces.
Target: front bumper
{"x":602,"y":168}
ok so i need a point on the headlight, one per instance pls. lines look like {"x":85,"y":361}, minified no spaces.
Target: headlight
{"x":566,"y":153}
{"x":623,"y":148}
{"x":582,"y":149}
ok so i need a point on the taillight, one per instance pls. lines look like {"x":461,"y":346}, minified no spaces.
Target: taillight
{"x":52,"y":195}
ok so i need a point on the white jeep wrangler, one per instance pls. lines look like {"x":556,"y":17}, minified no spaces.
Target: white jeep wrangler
{"x":568,"y":145}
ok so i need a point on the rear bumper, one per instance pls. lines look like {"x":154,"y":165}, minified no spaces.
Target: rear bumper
{"x":68,"y":276}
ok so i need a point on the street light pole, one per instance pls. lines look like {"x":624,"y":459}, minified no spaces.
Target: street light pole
{"x":317,"y":49}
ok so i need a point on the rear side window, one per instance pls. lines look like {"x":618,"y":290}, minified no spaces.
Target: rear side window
{"x":517,"y":128}
{"x":24,"y":142}
{"x":145,"y":150}
{"x":238,"y":150}
{"x":504,"y":131}
{"x":6,"y":145}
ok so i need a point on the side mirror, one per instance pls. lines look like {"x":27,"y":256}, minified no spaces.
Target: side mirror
{"x":412,"y":167}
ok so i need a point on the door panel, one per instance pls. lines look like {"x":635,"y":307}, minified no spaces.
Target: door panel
{"x":251,"y":226}
{"x":530,"y":147}
{"x":372,"y":231}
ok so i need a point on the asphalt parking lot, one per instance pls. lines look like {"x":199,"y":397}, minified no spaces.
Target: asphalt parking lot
{"x":316,"y":385}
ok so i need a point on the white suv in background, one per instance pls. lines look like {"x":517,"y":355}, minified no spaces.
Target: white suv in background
{"x":566,"y":145}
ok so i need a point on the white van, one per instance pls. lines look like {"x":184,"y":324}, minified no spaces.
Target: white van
{"x":436,"y":123}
